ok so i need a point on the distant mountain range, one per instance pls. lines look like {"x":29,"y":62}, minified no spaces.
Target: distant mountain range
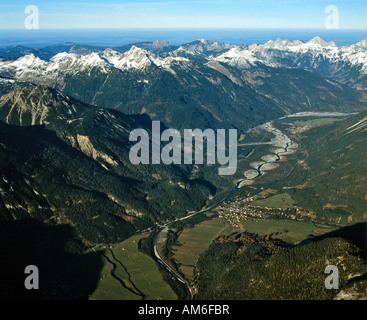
{"x":46,"y":53}
{"x":200,"y":84}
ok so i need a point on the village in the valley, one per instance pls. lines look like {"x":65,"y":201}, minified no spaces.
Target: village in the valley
{"x":242,"y":209}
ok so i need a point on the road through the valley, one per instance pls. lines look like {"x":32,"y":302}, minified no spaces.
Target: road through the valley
{"x":281,"y":145}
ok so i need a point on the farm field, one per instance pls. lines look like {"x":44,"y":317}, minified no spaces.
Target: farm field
{"x":194,"y":241}
{"x":288,"y":230}
{"x":129,"y":274}
{"x":315,"y":122}
{"x":282,"y":201}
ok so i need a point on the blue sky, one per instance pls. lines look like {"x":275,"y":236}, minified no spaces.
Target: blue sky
{"x":173,"y":14}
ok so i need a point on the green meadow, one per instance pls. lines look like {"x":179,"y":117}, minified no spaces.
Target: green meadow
{"x":129,"y":274}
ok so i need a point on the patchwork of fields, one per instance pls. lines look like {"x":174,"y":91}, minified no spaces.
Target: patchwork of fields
{"x":282,"y":201}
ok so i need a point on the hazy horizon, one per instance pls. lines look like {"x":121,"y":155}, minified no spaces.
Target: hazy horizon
{"x":120,"y":22}
{"x":118,"y":37}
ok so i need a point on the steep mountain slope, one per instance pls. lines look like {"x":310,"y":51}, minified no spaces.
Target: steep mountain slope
{"x":246,"y":266}
{"x":296,"y":90}
{"x":65,"y":161}
{"x":7,"y":85}
{"x":335,"y":171}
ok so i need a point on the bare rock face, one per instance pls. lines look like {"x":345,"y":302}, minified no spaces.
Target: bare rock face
{"x":159,"y":44}
{"x":37,"y":105}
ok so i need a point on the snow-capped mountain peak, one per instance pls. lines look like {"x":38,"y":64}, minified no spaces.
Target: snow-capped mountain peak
{"x":203,"y":46}
{"x":28,"y":61}
{"x":135,"y":58}
{"x":278,"y":44}
{"x":62,"y":56}
{"x":274,"y":53}
{"x":92,"y":59}
{"x":362,"y":44}
{"x":238,"y":57}
{"x":76,"y":63}
{"x":320,"y":42}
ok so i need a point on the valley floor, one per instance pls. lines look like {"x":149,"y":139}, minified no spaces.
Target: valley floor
{"x":265,"y":213}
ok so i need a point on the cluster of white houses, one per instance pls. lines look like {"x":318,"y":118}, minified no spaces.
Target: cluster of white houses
{"x":239,"y":210}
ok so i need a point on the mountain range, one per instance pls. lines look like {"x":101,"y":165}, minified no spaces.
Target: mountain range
{"x":203,"y":83}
